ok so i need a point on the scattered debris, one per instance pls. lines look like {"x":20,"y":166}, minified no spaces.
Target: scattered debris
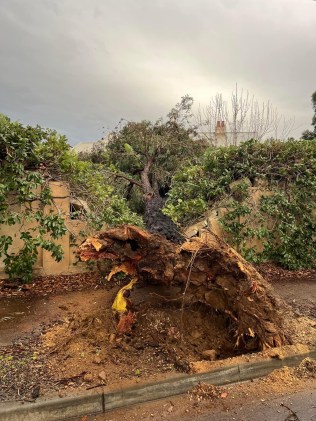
{"x":209,"y":354}
{"x":307,"y":368}
{"x":204,"y":391}
{"x":45,"y":285}
{"x":102,"y":375}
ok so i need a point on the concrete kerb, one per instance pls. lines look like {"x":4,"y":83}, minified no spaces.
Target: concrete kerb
{"x":102,"y":401}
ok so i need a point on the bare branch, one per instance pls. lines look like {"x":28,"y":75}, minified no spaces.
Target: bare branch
{"x":124,"y":176}
{"x":244,"y":118}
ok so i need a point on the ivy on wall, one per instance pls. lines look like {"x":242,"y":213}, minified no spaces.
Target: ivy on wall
{"x":288,"y":170}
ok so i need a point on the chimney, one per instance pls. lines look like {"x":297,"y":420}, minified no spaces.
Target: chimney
{"x":220,"y":127}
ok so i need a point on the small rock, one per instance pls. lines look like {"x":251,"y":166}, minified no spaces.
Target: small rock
{"x":97,"y":359}
{"x":209,"y":354}
{"x":88,"y":377}
{"x":102,"y":375}
{"x":196,"y":334}
{"x":276,"y":353}
{"x":35,"y":392}
{"x":112,"y":338}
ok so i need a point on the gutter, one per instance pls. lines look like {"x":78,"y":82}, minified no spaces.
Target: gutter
{"x":102,"y":401}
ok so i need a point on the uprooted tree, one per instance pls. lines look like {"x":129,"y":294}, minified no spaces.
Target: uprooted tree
{"x":142,"y":158}
{"x":208,"y":271}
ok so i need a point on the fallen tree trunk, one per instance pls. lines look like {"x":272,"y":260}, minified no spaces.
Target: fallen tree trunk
{"x":208,"y":270}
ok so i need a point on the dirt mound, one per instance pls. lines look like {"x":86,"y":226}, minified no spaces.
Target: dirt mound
{"x":82,"y":348}
{"x":307,"y":368}
{"x":165,"y":338}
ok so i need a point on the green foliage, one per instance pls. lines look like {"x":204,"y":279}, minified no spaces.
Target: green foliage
{"x":29,"y":158}
{"x":287,"y":171}
{"x":24,"y":193}
{"x":148,"y":153}
{"x":291,"y":240}
{"x":97,"y":155}
{"x":161,"y":144}
{"x":233,"y":221}
{"x":308,"y":134}
{"x":89,"y":182}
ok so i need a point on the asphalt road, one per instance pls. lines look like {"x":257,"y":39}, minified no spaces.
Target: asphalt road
{"x":300,"y":406}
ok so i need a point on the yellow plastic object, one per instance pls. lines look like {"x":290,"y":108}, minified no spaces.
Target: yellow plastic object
{"x":120,"y":303}
{"x":251,"y":332}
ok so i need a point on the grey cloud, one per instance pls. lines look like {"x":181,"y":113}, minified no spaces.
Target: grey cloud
{"x":79,"y":65}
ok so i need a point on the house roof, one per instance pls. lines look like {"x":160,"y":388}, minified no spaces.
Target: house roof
{"x":83,"y":147}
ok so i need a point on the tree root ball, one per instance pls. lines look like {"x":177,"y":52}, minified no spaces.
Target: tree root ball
{"x":208,"y":271}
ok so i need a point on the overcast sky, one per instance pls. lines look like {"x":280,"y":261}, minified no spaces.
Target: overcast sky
{"x":80,"y":65}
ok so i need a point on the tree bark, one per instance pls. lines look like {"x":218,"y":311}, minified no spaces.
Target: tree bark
{"x":147,"y":187}
{"x":207,"y":269}
{"x":156,"y":222}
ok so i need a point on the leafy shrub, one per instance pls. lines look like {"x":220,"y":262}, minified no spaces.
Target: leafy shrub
{"x":30,"y":157}
{"x":289,"y":172}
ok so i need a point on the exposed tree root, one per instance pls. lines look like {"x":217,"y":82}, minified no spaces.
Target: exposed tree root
{"x":208,"y":270}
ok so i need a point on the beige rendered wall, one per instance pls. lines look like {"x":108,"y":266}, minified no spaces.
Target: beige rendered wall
{"x":46,"y":264}
{"x":211,"y":219}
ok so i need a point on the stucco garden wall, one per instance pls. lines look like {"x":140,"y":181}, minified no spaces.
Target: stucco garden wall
{"x":212,"y":217}
{"x":46,"y":265}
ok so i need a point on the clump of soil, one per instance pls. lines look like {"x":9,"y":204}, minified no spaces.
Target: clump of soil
{"x":285,"y":379}
{"x":84,"y":350}
{"x":204,"y":391}
{"x":307,"y":368}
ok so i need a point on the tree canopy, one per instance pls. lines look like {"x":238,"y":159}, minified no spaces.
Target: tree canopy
{"x":142,"y":158}
{"x":146,"y":154}
{"x":308,"y":134}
